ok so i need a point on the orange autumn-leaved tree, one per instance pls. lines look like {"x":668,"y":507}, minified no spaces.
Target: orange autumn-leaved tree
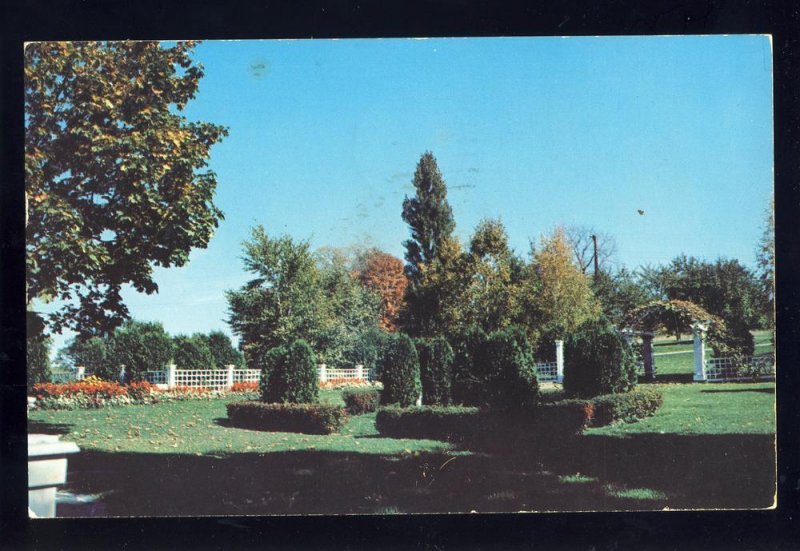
{"x":384,"y":274}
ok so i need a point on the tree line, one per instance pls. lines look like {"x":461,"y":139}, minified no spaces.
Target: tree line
{"x":342,"y":302}
{"x":137,"y":347}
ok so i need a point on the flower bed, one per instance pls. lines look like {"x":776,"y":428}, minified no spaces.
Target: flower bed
{"x":93,"y":392}
{"x":343,"y":382}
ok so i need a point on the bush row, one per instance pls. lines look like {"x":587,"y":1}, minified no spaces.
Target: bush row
{"x":458,"y":423}
{"x":562,"y":418}
{"x":435,"y":422}
{"x":286,"y":417}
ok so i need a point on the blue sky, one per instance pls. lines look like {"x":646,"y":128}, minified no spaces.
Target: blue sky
{"x":325,"y":136}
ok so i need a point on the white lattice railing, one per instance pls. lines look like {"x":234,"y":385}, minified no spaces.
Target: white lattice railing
{"x":343,"y":373}
{"x":156,"y":377}
{"x":246,"y":375}
{"x":737,"y":369}
{"x":357,"y":373}
{"x":213,"y":379}
{"x":547,"y":372}
{"x":65,"y":376}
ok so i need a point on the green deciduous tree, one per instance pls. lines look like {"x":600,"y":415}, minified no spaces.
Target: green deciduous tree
{"x":141,"y":346}
{"x":765,"y":257}
{"x":300,"y":295}
{"x":619,"y":292}
{"x":350,"y":309}
{"x":557,"y":296}
{"x":725,"y":288}
{"x":94,"y":354}
{"x":192,"y":353}
{"x":284,"y":301}
{"x":434,"y":305}
{"x":116,"y":177}
{"x":222,"y":350}
{"x":491,"y":299}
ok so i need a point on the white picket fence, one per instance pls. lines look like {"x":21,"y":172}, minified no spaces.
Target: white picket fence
{"x":743,"y":369}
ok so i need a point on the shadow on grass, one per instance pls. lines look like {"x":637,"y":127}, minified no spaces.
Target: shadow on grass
{"x":670,"y":378}
{"x":48,"y":428}
{"x":762,"y":390}
{"x":644,"y":471}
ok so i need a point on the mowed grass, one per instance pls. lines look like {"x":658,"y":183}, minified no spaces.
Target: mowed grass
{"x":677,"y":357}
{"x":706,"y":408}
{"x":199,"y":427}
{"x":180,"y":458}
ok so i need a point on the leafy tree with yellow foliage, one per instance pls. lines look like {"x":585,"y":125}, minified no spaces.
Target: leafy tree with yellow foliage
{"x":116,"y":177}
{"x":557,"y":296}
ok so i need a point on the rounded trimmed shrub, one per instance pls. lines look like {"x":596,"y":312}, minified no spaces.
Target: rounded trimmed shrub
{"x":466,"y":385}
{"x":506,"y":368}
{"x":598,"y":360}
{"x":435,"y":369}
{"x":399,"y":371}
{"x":289,"y":375}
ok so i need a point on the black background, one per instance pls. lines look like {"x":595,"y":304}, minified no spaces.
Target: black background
{"x":148,"y":19}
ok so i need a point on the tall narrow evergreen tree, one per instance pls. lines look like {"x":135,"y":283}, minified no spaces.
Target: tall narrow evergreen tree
{"x":428,"y":215}
{"x":430,"y":219}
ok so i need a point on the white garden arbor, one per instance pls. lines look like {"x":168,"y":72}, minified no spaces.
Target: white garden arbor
{"x":678,"y":316}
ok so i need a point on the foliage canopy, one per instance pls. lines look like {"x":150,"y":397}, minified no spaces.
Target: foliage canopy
{"x":116,"y":178}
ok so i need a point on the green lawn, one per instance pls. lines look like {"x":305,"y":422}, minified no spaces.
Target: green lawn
{"x":710,"y":446}
{"x":706,"y":408}
{"x":199,"y":427}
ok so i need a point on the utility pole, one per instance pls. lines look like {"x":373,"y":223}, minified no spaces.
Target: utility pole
{"x":596,"y":271}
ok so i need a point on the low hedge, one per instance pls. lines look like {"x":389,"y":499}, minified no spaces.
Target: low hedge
{"x":627,"y":407}
{"x":458,"y":423}
{"x":434,"y":422}
{"x":304,"y":418}
{"x":361,"y":400}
